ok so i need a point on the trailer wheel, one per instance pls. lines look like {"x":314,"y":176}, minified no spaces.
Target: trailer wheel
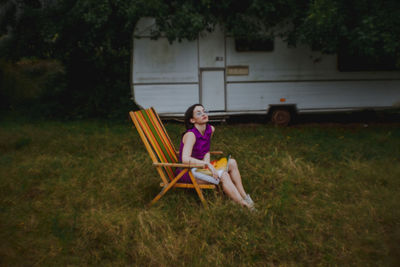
{"x":281,"y":117}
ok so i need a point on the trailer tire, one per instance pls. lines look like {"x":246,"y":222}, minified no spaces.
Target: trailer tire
{"x":281,"y":117}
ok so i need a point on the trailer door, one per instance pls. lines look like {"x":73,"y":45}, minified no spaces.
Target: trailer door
{"x":213,"y":89}
{"x":212,"y":70}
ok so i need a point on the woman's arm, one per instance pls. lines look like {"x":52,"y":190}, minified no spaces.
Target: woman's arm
{"x":189,"y":140}
{"x":207,"y":156}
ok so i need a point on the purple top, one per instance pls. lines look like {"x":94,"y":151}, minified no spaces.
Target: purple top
{"x":200,"y":148}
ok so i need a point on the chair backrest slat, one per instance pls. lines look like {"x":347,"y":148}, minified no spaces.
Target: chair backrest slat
{"x":161,"y":137}
{"x":164,"y":176}
{"x":156,"y":138}
{"x":142,"y":134}
{"x":152,"y":137}
{"x":170,"y":144}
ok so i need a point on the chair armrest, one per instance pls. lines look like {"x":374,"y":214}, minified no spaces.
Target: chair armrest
{"x":211,"y":152}
{"x":180,"y":165}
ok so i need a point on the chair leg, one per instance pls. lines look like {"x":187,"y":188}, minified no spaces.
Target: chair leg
{"x":168,"y":187}
{"x":198,"y":190}
{"x":218,"y":190}
{"x":174,"y":181}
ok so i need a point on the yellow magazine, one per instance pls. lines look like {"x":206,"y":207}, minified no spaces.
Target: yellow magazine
{"x":221,"y":164}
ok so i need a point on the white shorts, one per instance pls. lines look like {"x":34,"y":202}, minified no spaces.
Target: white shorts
{"x":206,"y":177}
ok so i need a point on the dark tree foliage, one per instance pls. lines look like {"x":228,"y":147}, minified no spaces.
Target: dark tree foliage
{"x":366,"y":26}
{"x":93,"y":38}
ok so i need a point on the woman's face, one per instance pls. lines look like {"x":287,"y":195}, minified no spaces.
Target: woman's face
{"x":199,"y":115}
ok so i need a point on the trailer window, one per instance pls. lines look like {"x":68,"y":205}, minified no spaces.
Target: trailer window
{"x":243,"y":45}
{"x":359,"y":62}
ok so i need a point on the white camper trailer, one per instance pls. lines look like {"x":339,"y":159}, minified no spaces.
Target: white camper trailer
{"x":229,"y":77}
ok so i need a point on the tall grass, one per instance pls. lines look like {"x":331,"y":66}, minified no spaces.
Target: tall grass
{"x":75,"y":193}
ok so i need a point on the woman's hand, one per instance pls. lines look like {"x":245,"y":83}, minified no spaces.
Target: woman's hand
{"x":207,"y":157}
{"x":213,"y":170}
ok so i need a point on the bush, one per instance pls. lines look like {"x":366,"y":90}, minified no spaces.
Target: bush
{"x":29,"y":84}
{"x":41,"y":88}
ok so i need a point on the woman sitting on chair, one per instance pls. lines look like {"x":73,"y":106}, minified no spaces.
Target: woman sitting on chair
{"x":195,"y":148}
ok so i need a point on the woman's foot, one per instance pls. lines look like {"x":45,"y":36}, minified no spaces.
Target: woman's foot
{"x":249,"y":200}
{"x":247,"y":205}
{"x":244,"y":203}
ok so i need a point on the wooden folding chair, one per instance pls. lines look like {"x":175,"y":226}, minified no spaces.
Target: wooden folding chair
{"x":164,"y":155}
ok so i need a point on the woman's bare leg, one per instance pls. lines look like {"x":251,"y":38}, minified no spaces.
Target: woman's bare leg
{"x":235,"y":176}
{"x":199,"y":181}
{"x":230,"y":189}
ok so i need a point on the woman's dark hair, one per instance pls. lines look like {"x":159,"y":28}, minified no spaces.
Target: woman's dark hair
{"x":189,"y":115}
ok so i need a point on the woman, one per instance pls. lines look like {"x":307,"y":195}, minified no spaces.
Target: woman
{"x":195,"y":148}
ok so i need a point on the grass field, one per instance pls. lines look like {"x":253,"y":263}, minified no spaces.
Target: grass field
{"x":75,"y":193}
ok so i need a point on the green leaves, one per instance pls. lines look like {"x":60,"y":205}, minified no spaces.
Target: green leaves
{"x":369,"y":26}
{"x":93,"y":38}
